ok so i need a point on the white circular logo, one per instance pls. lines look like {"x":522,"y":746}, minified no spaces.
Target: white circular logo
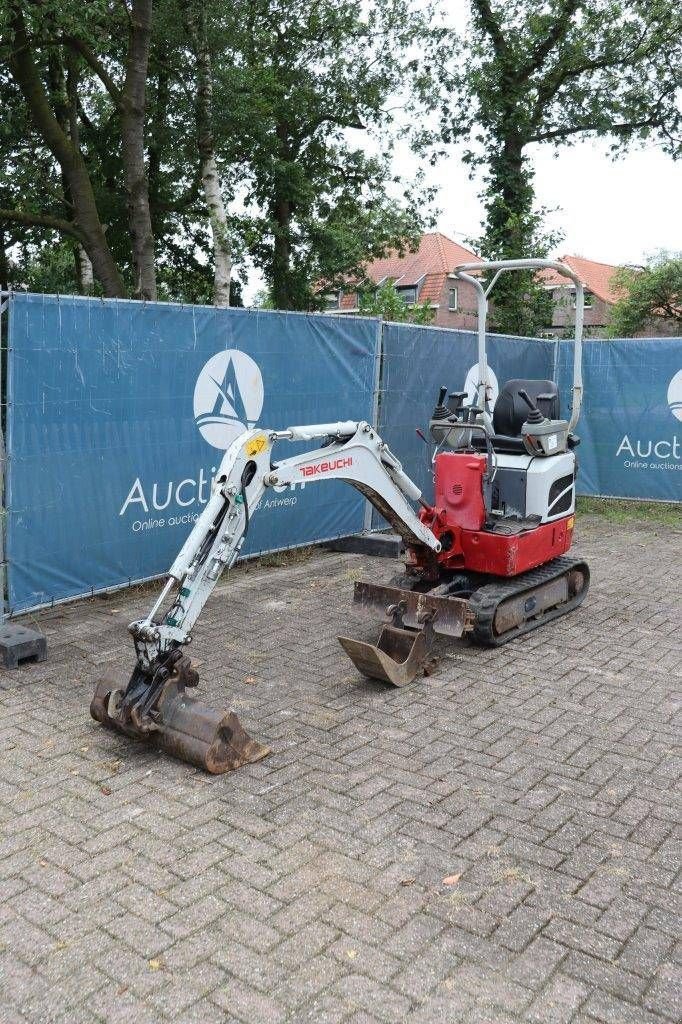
{"x":471,"y":385}
{"x":675,"y":395}
{"x":228,"y":397}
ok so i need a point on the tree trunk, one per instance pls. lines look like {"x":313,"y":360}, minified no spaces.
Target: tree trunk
{"x":195,"y":20}
{"x":68,"y":156}
{"x":222,"y":256}
{"x":281,"y":256}
{"x":84,"y":269}
{"x":518,"y":304}
{"x":133,"y":107}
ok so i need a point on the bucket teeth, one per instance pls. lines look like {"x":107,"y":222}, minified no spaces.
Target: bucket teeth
{"x":181,"y":725}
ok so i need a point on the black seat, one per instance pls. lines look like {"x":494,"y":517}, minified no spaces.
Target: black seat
{"x":511,"y":412}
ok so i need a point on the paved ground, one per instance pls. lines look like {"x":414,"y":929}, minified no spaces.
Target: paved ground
{"x":309,"y":888}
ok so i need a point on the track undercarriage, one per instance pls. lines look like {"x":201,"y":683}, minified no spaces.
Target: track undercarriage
{"x":488,"y":610}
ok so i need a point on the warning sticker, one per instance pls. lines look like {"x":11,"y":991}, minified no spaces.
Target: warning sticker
{"x":256,"y":445}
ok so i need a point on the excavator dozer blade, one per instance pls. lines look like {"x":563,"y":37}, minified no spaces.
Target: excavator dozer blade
{"x":398,"y":657}
{"x":450,"y":615}
{"x":185,"y":728}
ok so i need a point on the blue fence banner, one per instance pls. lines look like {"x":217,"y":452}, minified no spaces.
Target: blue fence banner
{"x":631,"y":421}
{"x":119,"y":414}
{"x":418,"y":360}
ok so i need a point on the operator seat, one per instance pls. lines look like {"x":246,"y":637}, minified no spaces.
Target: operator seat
{"x":511,"y":412}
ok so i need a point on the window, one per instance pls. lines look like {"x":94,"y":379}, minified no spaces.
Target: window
{"x":589,"y":299}
{"x":409,"y":294}
{"x":331,"y":301}
{"x":452,"y":300}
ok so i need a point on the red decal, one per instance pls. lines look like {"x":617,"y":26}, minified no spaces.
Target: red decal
{"x":326,"y":467}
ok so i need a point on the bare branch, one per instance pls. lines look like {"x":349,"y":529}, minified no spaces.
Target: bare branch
{"x":42,"y":220}
{"x":80,"y":47}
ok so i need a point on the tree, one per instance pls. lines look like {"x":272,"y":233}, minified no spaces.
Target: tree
{"x":387,"y":303}
{"x":649,"y":294}
{"x":130,"y":128}
{"x":83,"y":75}
{"x":85,"y":226}
{"x":552,"y":73}
{"x":195,"y":20}
{"x":302,"y":79}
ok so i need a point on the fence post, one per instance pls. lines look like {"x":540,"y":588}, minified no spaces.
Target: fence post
{"x":18,"y":644}
{"x":376,"y":386}
{"x":4,"y":304}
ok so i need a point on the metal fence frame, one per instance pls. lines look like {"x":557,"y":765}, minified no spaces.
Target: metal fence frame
{"x":4,"y":306}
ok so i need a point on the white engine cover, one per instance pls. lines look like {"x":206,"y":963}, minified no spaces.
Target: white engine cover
{"x":542,"y":498}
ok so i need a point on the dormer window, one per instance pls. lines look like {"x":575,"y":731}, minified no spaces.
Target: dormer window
{"x":408,"y":294}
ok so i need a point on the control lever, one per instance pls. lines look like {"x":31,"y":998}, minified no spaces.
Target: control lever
{"x":535,"y":416}
{"x":441,"y":412}
{"x":458,"y":405}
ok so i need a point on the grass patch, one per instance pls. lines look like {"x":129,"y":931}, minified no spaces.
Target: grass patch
{"x":620,"y":510}
{"x":280,"y":559}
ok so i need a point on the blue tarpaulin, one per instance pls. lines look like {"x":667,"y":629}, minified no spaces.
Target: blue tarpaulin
{"x":120,"y":413}
{"x":631,"y":422}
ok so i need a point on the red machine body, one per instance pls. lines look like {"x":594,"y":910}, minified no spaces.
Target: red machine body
{"x":458,"y":519}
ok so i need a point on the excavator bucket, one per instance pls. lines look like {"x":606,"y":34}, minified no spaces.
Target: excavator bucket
{"x":405,"y":645}
{"x":177,"y":723}
{"x":398,"y":657}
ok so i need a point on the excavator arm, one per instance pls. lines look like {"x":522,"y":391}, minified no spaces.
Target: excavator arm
{"x":155,"y":703}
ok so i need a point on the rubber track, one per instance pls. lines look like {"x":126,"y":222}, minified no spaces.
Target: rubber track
{"x":485,"y":601}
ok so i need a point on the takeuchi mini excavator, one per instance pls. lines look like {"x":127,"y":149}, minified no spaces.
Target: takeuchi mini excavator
{"x":487,"y":559}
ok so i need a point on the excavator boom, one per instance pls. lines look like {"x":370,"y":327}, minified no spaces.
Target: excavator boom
{"x":155,"y":705}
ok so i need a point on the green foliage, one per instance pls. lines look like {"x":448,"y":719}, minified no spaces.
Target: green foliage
{"x":624,"y":512}
{"x":303,"y":82}
{"x":46,"y":268}
{"x":301,"y":94}
{"x":386,"y":302}
{"x":648,"y":294}
{"x":552,"y":73}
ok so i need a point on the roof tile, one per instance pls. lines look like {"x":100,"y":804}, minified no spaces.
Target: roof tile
{"x":597,"y":277}
{"x":437,"y":254}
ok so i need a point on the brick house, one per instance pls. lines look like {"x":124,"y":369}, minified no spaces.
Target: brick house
{"x":422,"y":276}
{"x":600,"y":295}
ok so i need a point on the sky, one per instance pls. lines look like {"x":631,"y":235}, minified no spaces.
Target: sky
{"x":611,"y":211}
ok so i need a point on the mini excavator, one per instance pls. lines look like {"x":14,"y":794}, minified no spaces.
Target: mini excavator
{"x":486,"y":560}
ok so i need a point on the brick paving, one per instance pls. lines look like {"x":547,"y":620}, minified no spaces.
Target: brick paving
{"x":309,"y":887}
